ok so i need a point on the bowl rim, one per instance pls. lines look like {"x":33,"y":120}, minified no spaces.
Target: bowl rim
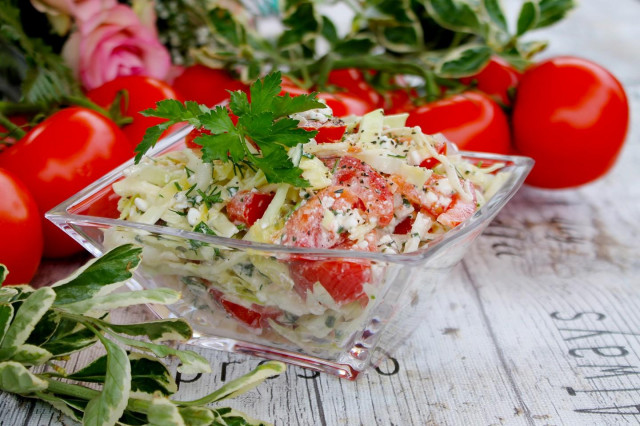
{"x":519,"y":166}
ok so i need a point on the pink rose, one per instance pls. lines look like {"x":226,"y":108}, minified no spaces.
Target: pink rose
{"x":114,"y":43}
{"x":78,"y":9}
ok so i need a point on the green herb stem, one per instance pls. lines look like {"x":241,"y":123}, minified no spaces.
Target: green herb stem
{"x":70,"y":389}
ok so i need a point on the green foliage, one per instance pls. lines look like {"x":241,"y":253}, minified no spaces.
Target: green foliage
{"x":432,"y":39}
{"x":261,"y":137}
{"x":45,"y":326}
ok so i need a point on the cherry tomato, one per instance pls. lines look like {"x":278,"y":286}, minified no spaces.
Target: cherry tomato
{"x":471,"y":120}
{"x":342,"y":104}
{"x":571,"y":116}
{"x":368,"y":185}
{"x":328,"y":132}
{"x":6,"y":138}
{"x":498,"y":78}
{"x":195,"y":133}
{"x":142,"y":93}
{"x":353,"y":82}
{"x":207,"y":85}
{"x":345,"y":104}
{"x":21,"y":230}
{"x":248,"y":206}
{"x":60,"y":156}
{"x":397,"y":101}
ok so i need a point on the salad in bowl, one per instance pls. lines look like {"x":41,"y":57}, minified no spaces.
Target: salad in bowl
{"x":293,"y":234}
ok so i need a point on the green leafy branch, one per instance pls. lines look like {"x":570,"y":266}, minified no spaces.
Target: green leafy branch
{"x":436,"y":40}
{"x":44,"y":326}
{"x":261,"y":137}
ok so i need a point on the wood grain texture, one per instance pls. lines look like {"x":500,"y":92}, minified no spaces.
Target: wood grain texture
{"x":539,"y":324}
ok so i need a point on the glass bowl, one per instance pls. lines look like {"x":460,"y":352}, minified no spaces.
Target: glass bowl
{"x":319,"y":334}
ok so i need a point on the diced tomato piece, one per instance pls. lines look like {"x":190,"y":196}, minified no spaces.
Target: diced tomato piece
{"x":404,"y":227}
{"x":460,"y":209}
{"x":431,"y":162}
{"x":368,"y":185}
{"x":342,"y":279}
{"x":330,"y":131}
{"x":305,"y":229}
{"x":255,"y":317}
{"x":445,"y":206}
{"x":248,"y":206}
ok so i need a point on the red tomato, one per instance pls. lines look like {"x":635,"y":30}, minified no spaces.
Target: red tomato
{"x":498,"y":78}
{"x":405,"y":226}
{"x":345,"y":104}
{"x":368,"y":185}
{"x":60,"y":156}
{"x":431,"y":162}
{"x":206,"y":85}
{"x":353,"y":82}
{"x":471,"y":120}
{"x":331,"y":131}
{"x":255,"y":317}
{"x":342,"y":104}
{"x":571,"y":116}
{"x":342,"y":279}
{"x":397,"y":101}
{"x":195,"y":133}
{"x":9,"y":139}
{"x":20,"y":228}
{"x":304,"y":228}
{"x":248,"y":206}
{"x":142,"y":93}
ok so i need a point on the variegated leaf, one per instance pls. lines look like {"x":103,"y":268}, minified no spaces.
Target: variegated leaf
{"x":16,"y":378}
{"x":107,"y":407}
{"x":99,"y":276}
{"x":162,"y":296}
{"x":25,"y":319}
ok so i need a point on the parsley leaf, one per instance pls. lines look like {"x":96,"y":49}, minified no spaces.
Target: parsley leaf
{"x":259,"y":140}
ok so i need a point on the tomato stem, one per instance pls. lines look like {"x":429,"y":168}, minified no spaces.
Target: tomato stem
{"x":12,"y":129}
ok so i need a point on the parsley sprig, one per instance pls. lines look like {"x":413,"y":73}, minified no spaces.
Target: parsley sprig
{"x":259,"y":140}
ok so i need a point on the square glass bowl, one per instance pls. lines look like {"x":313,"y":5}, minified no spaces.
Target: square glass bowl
{"x":319,"y":334}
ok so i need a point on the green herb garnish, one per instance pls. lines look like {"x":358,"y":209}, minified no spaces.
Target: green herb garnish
{"x":260,"y":139}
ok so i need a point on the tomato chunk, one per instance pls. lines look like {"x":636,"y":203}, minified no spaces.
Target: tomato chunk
{"x":305,"y":228}
{"x":342,"y":279}
{"x":247,"y":207}
{"x":368,"y":185}
{"x":328,"y":132}
{"x":431,"y":162}
{"x":255,"y":317}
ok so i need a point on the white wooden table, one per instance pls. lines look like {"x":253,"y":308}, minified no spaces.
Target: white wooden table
{"x":539,"y":325}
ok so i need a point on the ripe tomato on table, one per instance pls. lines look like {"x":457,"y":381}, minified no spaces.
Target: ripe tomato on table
{"x":342,"y":104}
{"x":20,"y":230}
{"x":498,"y":79}
{"x":471,"y":120}
{"x":60,"y":156}
{"x":571,"y":116}
{"x":142,"y":93}
{"x":352,"y":81}
{"x":206,"y":85}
